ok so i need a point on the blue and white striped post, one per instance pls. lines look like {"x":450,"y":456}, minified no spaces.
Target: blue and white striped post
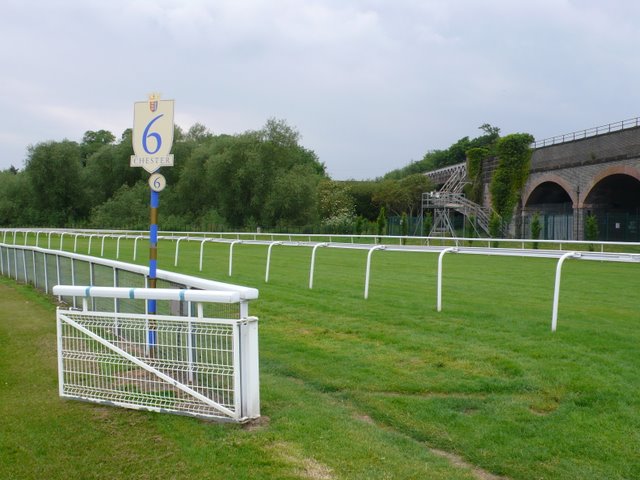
{"x":153,"y":262}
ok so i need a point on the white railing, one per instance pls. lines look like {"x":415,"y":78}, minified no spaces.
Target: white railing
{"x":9,"y":235}
{"x":195,"y":318}
{"x":589,"y":132}
{"x":190,"y":365}
{"x":391,"y":244}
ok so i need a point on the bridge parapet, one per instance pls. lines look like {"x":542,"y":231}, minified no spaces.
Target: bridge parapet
{"x":589,"y":132}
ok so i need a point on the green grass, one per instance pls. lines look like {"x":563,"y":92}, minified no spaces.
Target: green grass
{"x":358,"y":388}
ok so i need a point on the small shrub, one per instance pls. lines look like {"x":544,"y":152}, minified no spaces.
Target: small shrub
{"x":536,"y":229}
{"x":495,"y":228}
{"x":591,"y":231}
{"x":404,"y":226}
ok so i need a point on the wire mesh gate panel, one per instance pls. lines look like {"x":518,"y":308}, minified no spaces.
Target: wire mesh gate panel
{"x":195,"y":367}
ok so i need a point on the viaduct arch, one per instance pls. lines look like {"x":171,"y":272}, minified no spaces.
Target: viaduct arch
{"x":598,"y":176}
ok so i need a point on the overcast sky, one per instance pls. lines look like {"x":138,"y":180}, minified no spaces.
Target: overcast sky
{"x":370,"y":85}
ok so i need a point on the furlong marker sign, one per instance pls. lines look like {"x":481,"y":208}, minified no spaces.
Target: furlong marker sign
{"x":152,"y":134}
{"x":152,"y":141}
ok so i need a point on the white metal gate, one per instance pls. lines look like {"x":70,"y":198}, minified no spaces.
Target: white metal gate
{"x":195,"y":366}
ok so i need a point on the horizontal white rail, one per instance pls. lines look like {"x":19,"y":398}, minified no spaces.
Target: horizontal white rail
{"x":312,"y":238}
{"x":314,"y":242}
{"x":246,"y":293}
{"x":147,"y":293}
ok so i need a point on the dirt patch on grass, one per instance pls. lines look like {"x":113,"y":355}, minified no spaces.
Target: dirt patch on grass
{"x":254,"y":424}
{"x":305,"y":467}
{"x":460,"y":462}
{"x":365,"y":418}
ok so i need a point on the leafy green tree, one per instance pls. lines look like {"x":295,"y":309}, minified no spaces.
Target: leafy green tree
{"x":198,"y":133}
{"x":194,"y":192}
{"x":404,"y":195}
{"x":54,"y":170}
{"x":107,"y":170}
{"x":334,"y":199}
{"x":475,"y":159}
{"x":413,"y":186}
{"x":92,"y":141}
{"x":128,"y":208}
{"x":514,"y":157}
{"x":390,"y":196}
{"x":456,"y":153}
{"x":362,"y":193}
{"x":242,"y":171}
{"x":291,"y":200}
{"x":16,"y":208}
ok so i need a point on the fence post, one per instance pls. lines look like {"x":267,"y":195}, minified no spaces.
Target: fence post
{"x":313,"y":262}
{"x":440,"y":258}
{"x":118,"y":247}
{"x":135,"y":246}
{"x":556,"y":290}
{"x":266,"y":275}
{"x":46,"y":276}
{"x":175,"y":262}
{"x":231,"y":255}
{"x":89,"y":248}
{"x":202,"y":252}
{"x":249,"y":366}
{"x":368,"y":271}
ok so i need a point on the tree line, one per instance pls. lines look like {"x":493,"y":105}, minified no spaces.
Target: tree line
{"x":260,"y":178}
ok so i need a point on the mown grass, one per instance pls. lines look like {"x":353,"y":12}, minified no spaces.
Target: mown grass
{"x":360,"y":388}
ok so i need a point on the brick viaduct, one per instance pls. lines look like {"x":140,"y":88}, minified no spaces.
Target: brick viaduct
{"x":572,"y":176}
{"x":597,"y":175}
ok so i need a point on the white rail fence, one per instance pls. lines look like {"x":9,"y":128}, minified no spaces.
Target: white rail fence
{"x":243,"y":237}
{"x":391,"y":244}
{"x":198,"y":356}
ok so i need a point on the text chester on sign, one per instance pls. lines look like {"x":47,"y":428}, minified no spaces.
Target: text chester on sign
{"x":152,"y":134}
{"x":155,"y":162}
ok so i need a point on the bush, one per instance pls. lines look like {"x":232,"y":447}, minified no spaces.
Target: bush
{"x":591,"y":231}
{"x":536,"y":228}
{"x":495,"y":228}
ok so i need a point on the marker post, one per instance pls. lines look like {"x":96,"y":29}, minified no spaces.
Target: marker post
{"x":152,"y":141}
{"x":153,"y":262}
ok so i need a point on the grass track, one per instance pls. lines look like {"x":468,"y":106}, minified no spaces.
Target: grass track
{"x":485,"y":379}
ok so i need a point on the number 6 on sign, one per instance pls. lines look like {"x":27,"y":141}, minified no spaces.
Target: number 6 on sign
{"x":152,"y":134}
{"x":155,"y":135}
{"x":157,"y":182}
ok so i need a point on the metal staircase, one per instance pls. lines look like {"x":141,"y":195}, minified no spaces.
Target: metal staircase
{"x":456,"y":182}
{"x":442,"y":203}
{"x":450,"y":199}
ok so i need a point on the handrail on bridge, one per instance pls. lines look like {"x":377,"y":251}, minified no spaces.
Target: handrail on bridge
{"x":589,"y":132}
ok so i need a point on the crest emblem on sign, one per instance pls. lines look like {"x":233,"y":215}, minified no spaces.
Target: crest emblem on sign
{"x":153,"y":102}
